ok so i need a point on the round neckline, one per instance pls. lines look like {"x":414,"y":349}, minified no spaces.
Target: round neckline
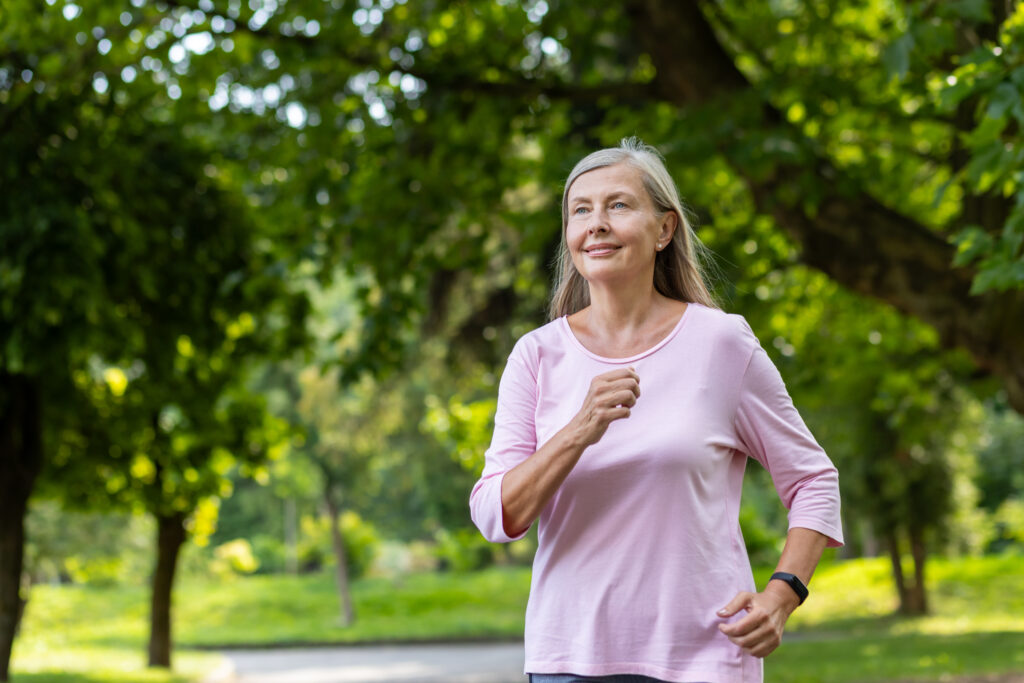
{"x":564,"y":325}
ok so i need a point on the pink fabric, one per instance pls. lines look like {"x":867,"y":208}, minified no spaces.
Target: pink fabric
{"x":641,"y":544}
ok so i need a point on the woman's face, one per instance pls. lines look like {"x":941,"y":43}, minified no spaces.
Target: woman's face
{"x":613,"y":230}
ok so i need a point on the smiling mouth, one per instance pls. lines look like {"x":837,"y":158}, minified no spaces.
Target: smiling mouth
{"x":598,"y":251}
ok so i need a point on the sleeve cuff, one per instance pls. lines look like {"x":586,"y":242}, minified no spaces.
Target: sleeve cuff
{"x":505,"y":538}
{"x":487,"y":511}
{"x":833,"y":533}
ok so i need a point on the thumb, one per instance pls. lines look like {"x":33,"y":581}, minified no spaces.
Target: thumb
{"x":739,"y":602}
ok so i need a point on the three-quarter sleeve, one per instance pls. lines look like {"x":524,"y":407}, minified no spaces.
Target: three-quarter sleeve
{"x":514,"y":440}
{"x":771,"y":431}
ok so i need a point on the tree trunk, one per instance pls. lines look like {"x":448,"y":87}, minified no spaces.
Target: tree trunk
{"x":918,"y":594}
{"x":893,"y":544}
{"x":21,"y":458}
{"x":291,"y":554}
{"x":913,"y":599}
{"x":347,"y":612}
{"x":170,"y":537}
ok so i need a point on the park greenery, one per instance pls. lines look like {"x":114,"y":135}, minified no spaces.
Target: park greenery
{"x":261,"y":263}
{"x":846,"y":632}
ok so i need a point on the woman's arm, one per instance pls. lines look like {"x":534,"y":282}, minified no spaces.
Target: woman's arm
{"x":760,"y":631}
{"x":528,"y":486}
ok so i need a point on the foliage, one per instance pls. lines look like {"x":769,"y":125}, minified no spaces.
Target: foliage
{"x":1009,"y":522}
{"x":1000,"y":473}
{"x":171,"y":169}
{"x":270,"y":554}
{"x":463,"y":550}
{"x":234,"y":558}
{"x":991,"y":77}
{"x":86,"y":547}
{"x":360,"y":538}
{"x":762,"y":542}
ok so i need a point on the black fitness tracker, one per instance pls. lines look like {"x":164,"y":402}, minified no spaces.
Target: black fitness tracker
{"x":796,"y":584}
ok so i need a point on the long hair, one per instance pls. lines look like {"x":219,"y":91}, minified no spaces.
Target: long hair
{"x":678,"y":269}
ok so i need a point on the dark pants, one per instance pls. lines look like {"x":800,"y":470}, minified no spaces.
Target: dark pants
{"x":575,"y":678}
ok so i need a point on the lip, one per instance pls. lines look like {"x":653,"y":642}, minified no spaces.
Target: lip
{"x":600,"y":249}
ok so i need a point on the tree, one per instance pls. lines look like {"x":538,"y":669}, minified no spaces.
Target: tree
{"x":134,"y":284}
{"x":421,"y":145}
{"x":879,"y":139}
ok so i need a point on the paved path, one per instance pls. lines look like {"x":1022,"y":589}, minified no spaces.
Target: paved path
{"x":465,"y":663}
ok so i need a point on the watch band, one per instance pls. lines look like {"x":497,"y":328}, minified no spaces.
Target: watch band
{"x":795,"y":583}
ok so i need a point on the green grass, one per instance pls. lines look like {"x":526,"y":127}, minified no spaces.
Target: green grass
{"x":844,"y":633}
{"x":285,"y":610}
{"x":79,"y":634}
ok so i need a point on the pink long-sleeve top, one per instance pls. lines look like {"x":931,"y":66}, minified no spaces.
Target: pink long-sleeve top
{"x":641,"y":544}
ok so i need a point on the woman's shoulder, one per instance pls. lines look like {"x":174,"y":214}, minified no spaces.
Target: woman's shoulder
{"x":531,"y":345}
{"x":724,"y":330}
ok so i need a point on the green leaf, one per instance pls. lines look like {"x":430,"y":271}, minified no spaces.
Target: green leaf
{"x":1004,"y":97}
{"x":971,"y":10}
{"x":986,"y":166}
{"x":896,"y":56}
{"x":971,"y":243}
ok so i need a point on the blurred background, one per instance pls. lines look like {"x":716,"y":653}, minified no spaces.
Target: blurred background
{"x":261,"y":264}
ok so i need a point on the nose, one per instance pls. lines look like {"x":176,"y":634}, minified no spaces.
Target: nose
{"x":598,"y":221}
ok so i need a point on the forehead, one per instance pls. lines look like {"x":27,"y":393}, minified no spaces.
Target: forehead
{"x":605,"y":181}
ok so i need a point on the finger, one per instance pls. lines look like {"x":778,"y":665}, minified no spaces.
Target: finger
{"x":744,"y":626}
{"x":741,"y":601}
{"x":759,"y":645}
{"x":624,"y":398}
{"x":766,"y":649}
{"x":622,"y":373}
{"x":618,"y":413}
{"x":761,"y":633}
{"x":625,"y":384}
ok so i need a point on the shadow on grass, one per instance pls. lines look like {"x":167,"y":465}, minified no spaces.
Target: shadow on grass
{"x":848,"y":627}
{"x":881,"y":656}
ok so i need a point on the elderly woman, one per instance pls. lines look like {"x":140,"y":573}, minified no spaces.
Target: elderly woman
{"x":623,"y":428}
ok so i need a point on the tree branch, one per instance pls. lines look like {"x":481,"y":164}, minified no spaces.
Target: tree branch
{"x":851,"y":237}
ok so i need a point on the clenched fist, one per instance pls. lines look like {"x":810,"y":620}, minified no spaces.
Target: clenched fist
{"x":610,"y":397}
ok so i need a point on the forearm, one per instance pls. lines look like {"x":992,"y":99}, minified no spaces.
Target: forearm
{"x":800,"y":556}
{"x":528,"y":486}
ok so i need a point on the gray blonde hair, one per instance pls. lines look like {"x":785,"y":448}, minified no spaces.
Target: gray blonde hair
{"x":678,"y":269}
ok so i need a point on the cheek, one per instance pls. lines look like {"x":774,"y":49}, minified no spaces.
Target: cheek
{"x":574,"y":237}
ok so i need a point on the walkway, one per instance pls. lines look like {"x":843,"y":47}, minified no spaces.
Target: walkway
{"x":460,"y":663}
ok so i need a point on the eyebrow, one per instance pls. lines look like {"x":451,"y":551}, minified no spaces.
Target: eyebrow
{"x":617,"y":194}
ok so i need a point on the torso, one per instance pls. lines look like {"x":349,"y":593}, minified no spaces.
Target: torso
{"x":600,"y":342}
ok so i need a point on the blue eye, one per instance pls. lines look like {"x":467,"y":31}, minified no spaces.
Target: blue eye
{"x":580,"y":209}
{"x":619,"y":204}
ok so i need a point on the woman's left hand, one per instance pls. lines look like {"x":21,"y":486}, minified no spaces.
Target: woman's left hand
{"x":759,"y":632}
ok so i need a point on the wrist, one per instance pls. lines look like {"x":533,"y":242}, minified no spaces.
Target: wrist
{"x":788,"y":587}
{"x":782,"y":595}
{"x":574,"y":438}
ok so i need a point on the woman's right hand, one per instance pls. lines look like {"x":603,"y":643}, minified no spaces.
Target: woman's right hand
{"x":610,"y":398}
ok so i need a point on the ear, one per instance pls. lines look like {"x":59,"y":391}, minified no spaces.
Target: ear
{"x":669,"y":223}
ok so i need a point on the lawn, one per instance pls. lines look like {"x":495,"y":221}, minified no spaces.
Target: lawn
{"x":845,"y":631}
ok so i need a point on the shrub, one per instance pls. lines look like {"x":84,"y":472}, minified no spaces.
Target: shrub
{"x":360,"y":538}
{"x":761,"y":541}
{"x":463,"y":550}
{"x":1009,"y":524}
{"x":233,"y":558}
{"x":361,"y":543}
{"x":270,"y":553}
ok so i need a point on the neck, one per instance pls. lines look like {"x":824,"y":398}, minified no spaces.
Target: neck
{"x":622,"y":308}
